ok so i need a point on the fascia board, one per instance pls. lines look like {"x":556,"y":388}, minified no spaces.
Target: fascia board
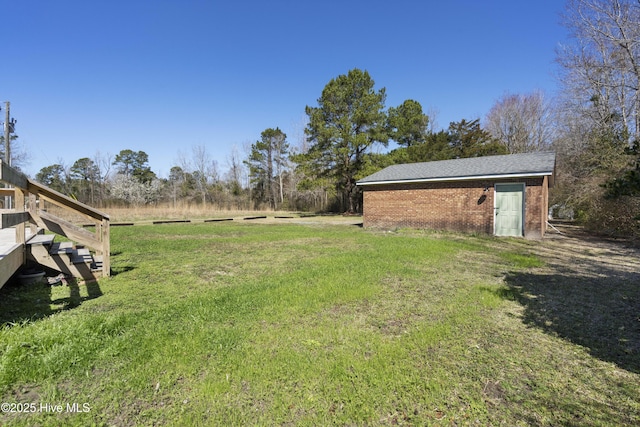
{"x":458,"y":178}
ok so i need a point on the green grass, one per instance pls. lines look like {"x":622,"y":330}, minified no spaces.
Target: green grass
{"x":521,"y":260}
{"x":227,"y":324}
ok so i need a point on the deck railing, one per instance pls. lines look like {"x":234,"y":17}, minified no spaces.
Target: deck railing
{"x":29,"y":198}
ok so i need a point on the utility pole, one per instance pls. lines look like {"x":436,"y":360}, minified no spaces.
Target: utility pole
{"x":6,"y":126}
{"x":9,"y":128}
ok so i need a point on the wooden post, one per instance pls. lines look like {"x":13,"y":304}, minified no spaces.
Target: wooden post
{"x":106,"y":248}
{"x":18,"y":197}
{"x":19,"y":202}
{"x":33,"y":211}
{"x":98,"y":233}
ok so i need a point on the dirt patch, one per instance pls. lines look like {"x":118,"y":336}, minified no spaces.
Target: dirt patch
{"x":587,"y":292}
{"x":570,"y":247}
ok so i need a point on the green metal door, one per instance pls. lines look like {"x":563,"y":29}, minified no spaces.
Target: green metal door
{"x":509,"y":210}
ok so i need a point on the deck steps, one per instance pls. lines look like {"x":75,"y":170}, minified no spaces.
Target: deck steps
{"x":97,"y":264}
{"x":32,"y":213}
{"x":61,"y":248}
{"x":41,"y":239}
{"x":81,"y":255}
{"x":64,"y":257}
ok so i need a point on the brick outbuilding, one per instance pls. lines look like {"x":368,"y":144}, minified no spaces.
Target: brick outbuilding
{"x":502,"y":195}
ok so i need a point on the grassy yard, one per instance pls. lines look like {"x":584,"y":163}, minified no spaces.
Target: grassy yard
{"x":323,"y":324}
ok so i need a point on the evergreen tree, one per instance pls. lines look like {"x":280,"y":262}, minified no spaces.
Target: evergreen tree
{"x":348,"y":121}
{"x":134,"y":164}
{"x":266,"y":163}
{"x":407,"y":123}
{"x":53,"y":176}
{"x":85,"y":174}
{"x":468,"y":139}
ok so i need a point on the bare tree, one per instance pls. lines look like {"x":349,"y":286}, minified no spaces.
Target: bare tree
{"x":103,"y":162}
{"x":234,"y":171}
{"x":20,"y":157}
{"x":602,"y":67}
{"x":433,"y":125}
{"x":202,"y":167}
{"x":523,"y":123}
{"x":237,"y":179}
{"x":600,"y":111}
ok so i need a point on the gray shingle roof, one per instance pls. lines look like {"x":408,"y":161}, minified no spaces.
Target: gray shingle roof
{"x":516,"y":165}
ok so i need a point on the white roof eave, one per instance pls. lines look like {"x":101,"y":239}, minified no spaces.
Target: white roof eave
{"x":457,"y":178}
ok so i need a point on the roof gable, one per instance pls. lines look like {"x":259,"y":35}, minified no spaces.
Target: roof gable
{"x":505,"y":166}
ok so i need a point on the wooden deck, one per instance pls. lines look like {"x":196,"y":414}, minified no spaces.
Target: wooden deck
{"x":63,"y":257}
{"x":12,"y":254}
{"x":31,"y":216}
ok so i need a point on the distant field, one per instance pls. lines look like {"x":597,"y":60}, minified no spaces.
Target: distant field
{"x":149,"y":213}
{"x":319,"y":323}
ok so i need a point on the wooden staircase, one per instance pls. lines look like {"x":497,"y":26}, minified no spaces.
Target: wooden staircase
{"x":87,"y":259}
{"x":65,"y":257}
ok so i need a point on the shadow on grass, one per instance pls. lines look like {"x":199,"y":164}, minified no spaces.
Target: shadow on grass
{"x":122,"y":269}
{"x":26,"y":303}
{"x":594,"y":304}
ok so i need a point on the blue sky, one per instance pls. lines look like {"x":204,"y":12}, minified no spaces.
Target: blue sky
{"x":164,"y":76}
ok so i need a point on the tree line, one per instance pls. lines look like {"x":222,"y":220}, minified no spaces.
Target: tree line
{"x":593,"y":124}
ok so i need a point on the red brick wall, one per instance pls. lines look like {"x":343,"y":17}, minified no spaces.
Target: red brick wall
{"x":459,"y":206}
